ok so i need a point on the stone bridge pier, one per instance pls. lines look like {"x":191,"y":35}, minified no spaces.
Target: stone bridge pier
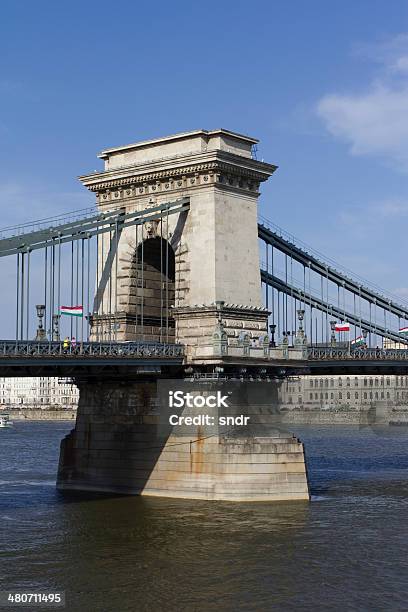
{"x":192,"y":278}
{"x":123,"y":443}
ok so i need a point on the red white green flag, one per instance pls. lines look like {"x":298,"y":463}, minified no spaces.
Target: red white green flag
{"x":403,"y":331}
{"x":357,"y":341}
{"x":73,"y":311}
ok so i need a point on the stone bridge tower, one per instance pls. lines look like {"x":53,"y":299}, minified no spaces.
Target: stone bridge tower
{"x":176,"y":278}
{"x":192,"y":277}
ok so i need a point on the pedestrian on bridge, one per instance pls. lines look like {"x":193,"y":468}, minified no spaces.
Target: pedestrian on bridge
{"x":65,"y":344}
{"x":73,"y":343}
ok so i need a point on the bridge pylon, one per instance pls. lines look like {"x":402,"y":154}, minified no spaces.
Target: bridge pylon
{"x":167,"y":279}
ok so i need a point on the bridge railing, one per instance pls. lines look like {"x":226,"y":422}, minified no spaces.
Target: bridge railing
{"x":33,"y":348}
{"x":321,"y":353}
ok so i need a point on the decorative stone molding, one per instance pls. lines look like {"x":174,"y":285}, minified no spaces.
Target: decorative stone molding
{"x":130,"y":184}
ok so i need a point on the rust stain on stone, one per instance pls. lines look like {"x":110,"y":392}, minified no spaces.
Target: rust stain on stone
{"x":196,"y":452}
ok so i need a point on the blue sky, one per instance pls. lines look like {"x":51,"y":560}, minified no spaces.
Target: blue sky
{"x":324,"y":86}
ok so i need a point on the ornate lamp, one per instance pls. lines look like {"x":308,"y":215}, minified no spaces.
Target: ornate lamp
{"x":333,"y":335}
{"x":300,"y":339}
{"x":55,"y":327}
{"x":41,"y":335}
{"x":272,"y":329}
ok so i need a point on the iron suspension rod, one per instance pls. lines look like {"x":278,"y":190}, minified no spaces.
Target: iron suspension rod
{"x":116,"y":277}
{"x":28,"y":294}
{"x":45,"y":284}
{"x":273,"y":294}
{"x":96,"y":308}
{"x":82,"y":290}
{"x":72,"y":289}
{"x":88,"y":288}
{"x":17,"y":294}
{"x":142,"y":289}
{"x":267,"y":269}
{"x":59,"y":290}
{"x":77,"y":289}
{"x":161,"y":279}
{"x":52,"y":288}
{"x":167,"y":277}
{"x":137,"y":280}
{"x":22,"y":297}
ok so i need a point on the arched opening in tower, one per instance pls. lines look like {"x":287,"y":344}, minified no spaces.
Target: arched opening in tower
{"x":155,"y":282}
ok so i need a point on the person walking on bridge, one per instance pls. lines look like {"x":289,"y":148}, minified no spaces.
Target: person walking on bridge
{"x":65,"y":344}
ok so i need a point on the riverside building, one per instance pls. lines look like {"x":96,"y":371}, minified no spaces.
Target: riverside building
{"x":347,"y":392}
{"x":38,"y":393}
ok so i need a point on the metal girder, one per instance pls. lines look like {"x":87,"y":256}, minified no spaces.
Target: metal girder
{"x":88,"y":227}
{"x":315,"y":302}
{"x":308,"y":260}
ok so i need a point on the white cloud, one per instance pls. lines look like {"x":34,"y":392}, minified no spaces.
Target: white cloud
{"x":375,"y":122}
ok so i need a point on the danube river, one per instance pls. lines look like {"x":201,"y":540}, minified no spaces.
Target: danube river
{"x":346,"y":550}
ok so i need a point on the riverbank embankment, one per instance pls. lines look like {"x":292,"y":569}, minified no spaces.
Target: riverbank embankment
{"x":41,"y":415}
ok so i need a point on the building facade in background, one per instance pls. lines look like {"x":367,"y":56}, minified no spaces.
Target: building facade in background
{"x":342,"y":392}
{"x":38,"y":393}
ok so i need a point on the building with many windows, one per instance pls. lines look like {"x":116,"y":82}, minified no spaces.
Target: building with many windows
{"x":38,"y":392}
{"x":354,"y":392}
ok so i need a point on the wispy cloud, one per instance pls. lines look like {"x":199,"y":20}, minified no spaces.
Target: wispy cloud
{"x":375,"y":121}
{"x":376,"y":215}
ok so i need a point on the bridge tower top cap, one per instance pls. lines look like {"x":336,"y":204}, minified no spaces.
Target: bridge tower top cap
{"x":186,"y":142}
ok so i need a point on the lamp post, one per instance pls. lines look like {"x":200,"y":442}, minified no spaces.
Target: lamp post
{"x":365,"y":334}
{"x":333,"y":335}
{"x":272,"y":329}
{"x":219,"y":304}
{"x":300,"y":339}
{"x":55,"y":327}
{"x":41,"y":334}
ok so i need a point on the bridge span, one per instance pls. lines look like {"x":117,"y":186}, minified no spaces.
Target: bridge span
{"x":172,"y":279}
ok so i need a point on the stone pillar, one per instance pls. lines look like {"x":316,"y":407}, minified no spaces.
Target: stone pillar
{"x":119,"y":446}
{"x":214,"y":245}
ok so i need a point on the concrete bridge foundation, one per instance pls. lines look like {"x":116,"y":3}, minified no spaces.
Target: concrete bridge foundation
{"x":119,"y":445}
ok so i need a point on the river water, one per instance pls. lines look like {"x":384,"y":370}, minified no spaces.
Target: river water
{"x":346,"y":550}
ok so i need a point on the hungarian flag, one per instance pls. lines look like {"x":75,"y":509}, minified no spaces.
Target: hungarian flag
{"x":404,"y":331}
{"x":357,"y":341}
{"x":342,"y":327}
{"x":72,"y":311}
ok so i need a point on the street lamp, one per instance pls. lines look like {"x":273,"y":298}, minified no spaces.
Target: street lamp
{"x":41,"y":334}
{"x":272,"y":329}
{"x":219,"y":304}
{"x":55,"y":327}
{"x":333,"y":335}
